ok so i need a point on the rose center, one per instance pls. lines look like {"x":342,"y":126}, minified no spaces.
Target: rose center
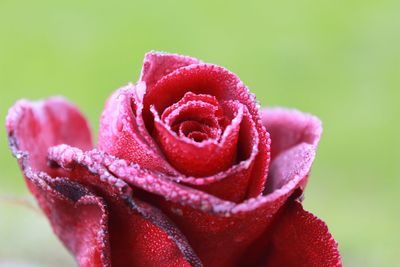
{"x":198,"y":134}
{"x":197,"y":117}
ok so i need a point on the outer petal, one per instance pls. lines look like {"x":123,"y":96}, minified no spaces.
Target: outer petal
{"x":72,"y":210}
{"x":301,"y":239}
{"x":36,"y":126}
{"x":289,"y":127}
{"x":291,"y":131}
{"x":222,"y":222}
{"x":158,"y":64}
{"x":78,"y":217}
{"x":140,"y":234}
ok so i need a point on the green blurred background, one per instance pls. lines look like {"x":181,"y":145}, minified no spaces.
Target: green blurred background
{"x":337,"y":59}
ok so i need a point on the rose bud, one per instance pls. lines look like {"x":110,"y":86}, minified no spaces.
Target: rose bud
{"x":188,"y":171}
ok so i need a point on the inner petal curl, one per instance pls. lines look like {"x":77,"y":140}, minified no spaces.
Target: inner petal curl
{"x":194,"y":136}
{"x":195,"y":113}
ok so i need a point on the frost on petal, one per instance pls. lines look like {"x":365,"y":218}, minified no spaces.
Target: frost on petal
{"x":208,"y":79}
{"x":83,"y":220}
{"x":222,"y":222}
{"x":289,"y":127}
{"x":128,"y":128}
{"x":200,"y":79}
{"x":198,"y":157}
{"x":140,"y":234}
{"x":157,"y":64}
{"x":292,"y":133}
{"x":78,"y":218}
{"x":35,"y":126}
{"x":120,"y":132}
{"x":233,"y":183}
{"x":301,"y":239}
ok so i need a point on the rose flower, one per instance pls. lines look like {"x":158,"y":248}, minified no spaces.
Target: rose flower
{"x":188,"y":171}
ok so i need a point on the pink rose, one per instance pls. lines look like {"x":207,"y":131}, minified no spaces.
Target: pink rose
{"x":187,"y":172}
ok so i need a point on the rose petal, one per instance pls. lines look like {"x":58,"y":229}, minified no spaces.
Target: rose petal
{"x":103,"y":165}
{"x":222,"y":222}
{"x":301,"y":239}
{"x":190,"y":97}
{"x":32,"y":128}
{"x":245,"y":222}
{"x":200,"y":79}
{"x":187,"y":128}
{"x":291,"y":131}
{"x":120,"y":133}
{"x":157,"y":64}
{"x":223,"y":85}
{"x":79,"y":218}
{"x":199,"y":159}
{"x":289,"y":127}
{"x":39,"y":125}
{"x":147,"y":239}
{"x":218,"y":82}
{"x":140,"y":234}
{"x":233,"y":183}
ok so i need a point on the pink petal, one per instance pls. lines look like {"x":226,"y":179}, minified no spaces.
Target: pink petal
{"x":292,"y":132}
{"x":289,"y":127}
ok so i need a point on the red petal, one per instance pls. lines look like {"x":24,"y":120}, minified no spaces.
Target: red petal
{"x":292,"y":132}
{"x":301,"y":239}
{"x":120,"y":132}
{"x":37,"y":126}
{"x":233,"y":183}
{"x":245,"y":222}
{"x":218,"y":82}
{"x":199,"y":159}
{"x":289,"y":128}
{"x":140,"y":234}
{"x":157,"y":64}
{"x":190,"y":97}
{"x":222,"y":222}
{"x":186,"y":128}
{"x":32,"y":128}
{"x":80,"y":218}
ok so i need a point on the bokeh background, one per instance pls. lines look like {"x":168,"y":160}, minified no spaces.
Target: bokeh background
{"x":337,"y":59}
